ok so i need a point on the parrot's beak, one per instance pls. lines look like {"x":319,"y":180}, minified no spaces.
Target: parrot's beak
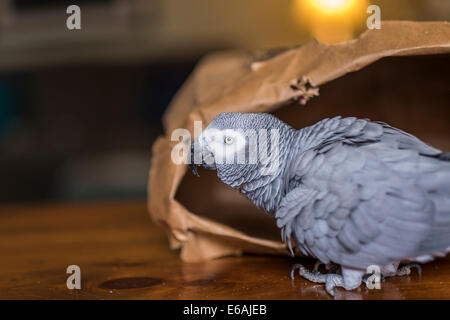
{"x":192,"y":165}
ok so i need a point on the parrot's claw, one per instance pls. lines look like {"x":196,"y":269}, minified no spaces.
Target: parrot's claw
{"x":399,"y":272}
{"x":331,"y":280}
{"x":406,"y":269}
{"x":313,"y":276}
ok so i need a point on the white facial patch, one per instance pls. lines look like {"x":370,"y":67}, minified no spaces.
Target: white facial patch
{"x":228,"y":146}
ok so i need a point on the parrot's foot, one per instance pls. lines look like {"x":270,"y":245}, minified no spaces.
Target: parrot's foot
{"x":331,"y":280}
{"x":406,"y":270}
{"x":329,"y":267}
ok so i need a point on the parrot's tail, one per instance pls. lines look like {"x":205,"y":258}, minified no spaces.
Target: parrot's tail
{"x":438,"y":241}
{"x":437,"y":185}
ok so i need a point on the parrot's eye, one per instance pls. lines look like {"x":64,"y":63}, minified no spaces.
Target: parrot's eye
{"x":228,"y":140}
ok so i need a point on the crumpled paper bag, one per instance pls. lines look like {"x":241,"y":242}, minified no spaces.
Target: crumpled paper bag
{"x":258,"y":82}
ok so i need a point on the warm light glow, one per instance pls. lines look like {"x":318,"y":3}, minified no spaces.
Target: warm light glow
{"x":332,"y":6}
{"x":331,"y":21}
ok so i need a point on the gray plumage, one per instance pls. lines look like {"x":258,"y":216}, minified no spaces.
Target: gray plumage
{"x":347,"y":191}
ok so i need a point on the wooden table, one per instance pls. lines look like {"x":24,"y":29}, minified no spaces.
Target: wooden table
{"x":123,"y":255}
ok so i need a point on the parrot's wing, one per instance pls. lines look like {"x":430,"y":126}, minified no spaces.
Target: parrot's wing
{"x":403,"y":140}
{"x":358,"y":204}
{"x":355,"y":131}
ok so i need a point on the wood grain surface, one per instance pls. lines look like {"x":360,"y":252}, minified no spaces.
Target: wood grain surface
{"x":123,"y":255}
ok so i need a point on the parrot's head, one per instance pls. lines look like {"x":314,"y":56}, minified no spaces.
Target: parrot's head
{"x":242,"y":147}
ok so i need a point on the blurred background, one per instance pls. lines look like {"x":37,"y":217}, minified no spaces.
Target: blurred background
{"x":80,"y":109}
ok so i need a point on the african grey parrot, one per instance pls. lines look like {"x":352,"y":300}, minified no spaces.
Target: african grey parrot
{"x":350,"y":192}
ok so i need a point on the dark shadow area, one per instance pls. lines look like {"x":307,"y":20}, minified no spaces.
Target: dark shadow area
{"x":410,"y":93}
{"x":82,"y":132}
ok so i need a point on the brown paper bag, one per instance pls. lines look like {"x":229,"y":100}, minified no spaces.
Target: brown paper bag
{"x":256,"y":82}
